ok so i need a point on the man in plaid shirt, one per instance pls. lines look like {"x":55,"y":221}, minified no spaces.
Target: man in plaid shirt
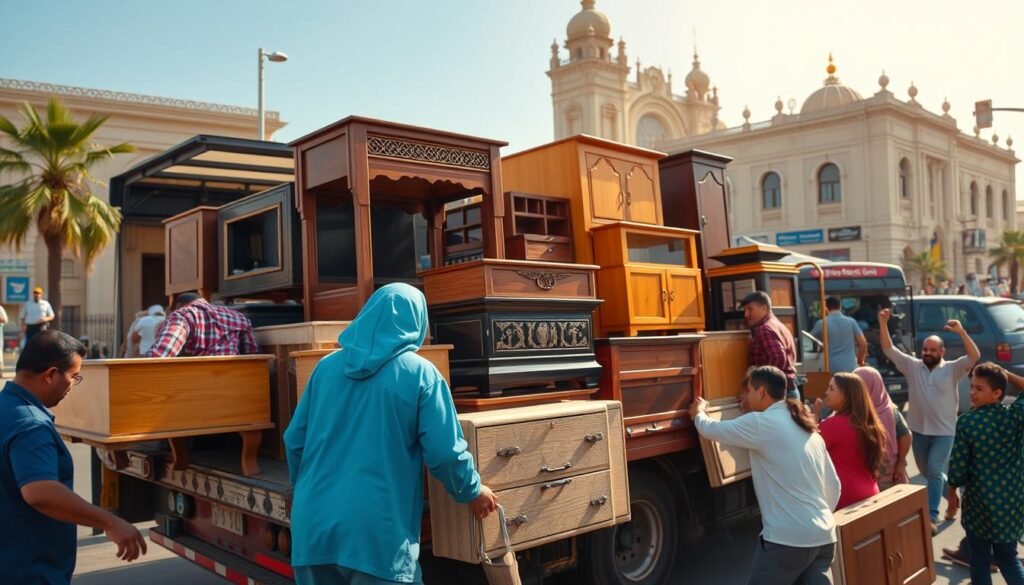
{"x":771,"y":343}
{"x":198,"y":328}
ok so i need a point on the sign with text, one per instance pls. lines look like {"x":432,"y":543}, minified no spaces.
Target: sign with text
{"x":852,"y":272}
{"x":16,"y":289}
{"x":844,"y":234}
{"x":800,"y":237}
{"x":13,"y":265}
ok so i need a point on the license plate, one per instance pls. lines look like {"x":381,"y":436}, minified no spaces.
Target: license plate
{"x":228,"y":519}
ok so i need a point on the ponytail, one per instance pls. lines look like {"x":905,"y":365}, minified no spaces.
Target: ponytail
{"x":801,"y":415}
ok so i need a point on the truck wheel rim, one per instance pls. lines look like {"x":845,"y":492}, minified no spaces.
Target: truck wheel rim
{"x":638,"y":543}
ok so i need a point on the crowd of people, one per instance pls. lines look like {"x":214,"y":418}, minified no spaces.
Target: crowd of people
{"x":807,"y":462}
{"x":973,"y":286}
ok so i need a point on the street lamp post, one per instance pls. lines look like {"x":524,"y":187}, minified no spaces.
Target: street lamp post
{"x":276,"y":57}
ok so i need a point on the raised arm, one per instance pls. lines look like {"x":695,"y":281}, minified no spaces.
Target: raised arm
{"x":899,"y":359}
{"x":971,"y":348}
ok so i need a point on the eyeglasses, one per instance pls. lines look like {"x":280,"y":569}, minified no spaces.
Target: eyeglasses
{"x":77,"y":377}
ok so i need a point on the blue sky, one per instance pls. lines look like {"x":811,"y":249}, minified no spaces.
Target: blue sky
{"x":478,"y":66}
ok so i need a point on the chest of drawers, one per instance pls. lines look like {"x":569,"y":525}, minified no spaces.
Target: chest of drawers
{"x":558,"y":469}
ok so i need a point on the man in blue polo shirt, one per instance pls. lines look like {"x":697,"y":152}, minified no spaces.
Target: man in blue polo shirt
{"x":37,"y":502}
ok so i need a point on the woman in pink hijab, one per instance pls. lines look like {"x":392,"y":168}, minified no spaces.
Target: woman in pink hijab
{"x":897,"y":444}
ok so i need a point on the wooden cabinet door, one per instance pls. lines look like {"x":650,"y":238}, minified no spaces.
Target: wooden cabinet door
{"x":641,"y":195}
{"x":607,"y":200}
{"x":911,"y":536}
{"x":648,"y":296}
{"x":714,"y":221}
{"x":867,"y":555}
{"x":685,"y":298}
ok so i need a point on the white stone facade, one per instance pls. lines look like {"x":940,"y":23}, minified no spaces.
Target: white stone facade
{"x":592,"y":91}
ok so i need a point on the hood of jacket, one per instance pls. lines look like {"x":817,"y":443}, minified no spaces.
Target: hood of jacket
{"x":391,"y":323}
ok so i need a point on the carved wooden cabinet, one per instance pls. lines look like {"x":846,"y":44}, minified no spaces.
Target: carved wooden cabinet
{"x":653,"y":377}
{"x":694,"y":197}
{"x":744,"y":270}
{"x":190,"y":239}
{"x":538,"y":228}
{"x":606,"y":182}
{"x":648,"y":278}
{"x":260,"y":244}
{"x":515,"y":324}
{"x":559,"y":470}
{"x":885,"y":539}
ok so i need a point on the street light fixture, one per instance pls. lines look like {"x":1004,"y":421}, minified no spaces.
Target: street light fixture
{"x":276,"y":57}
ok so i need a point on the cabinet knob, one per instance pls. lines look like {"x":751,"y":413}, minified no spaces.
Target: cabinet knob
{"x":593,"y":438}
{"x":599,"y":501}
{"x":549,"y":250}
{"x":629,"y":198}
{"x":672,"y":296}
{"x":622,"y":199}
{"x":517,"y":520}
{"x":664,"y":296}
{"x":509,"y":451}
{"x":703,"y":220}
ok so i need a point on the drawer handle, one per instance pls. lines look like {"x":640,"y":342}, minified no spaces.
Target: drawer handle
{"x":664,"y":296}
{"x":672,"y":296}
{"x":509,"y":451}
{"x":549,"y":250}
{"x":518,"y":520}
{"x":556,"y":469}
{"x":599,"y":501}
{"x":594,"y":437}
{"x":899,"y":560}
{"x":554,"y":484}
{"x":655,"y":427}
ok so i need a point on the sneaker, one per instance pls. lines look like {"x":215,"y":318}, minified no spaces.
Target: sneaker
{"x":935,"y":529}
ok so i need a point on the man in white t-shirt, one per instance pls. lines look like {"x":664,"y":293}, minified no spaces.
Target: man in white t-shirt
{"x":143,"y":333}
{"x":35,"y":314}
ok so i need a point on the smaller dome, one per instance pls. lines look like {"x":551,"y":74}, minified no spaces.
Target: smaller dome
{"x":832,"y":95}
{"x":883,"y":80}
{"x":588,"y":22}
{"x":696,"y":79}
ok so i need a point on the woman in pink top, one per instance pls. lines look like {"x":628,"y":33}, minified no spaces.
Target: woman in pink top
{"x":854,"y":437}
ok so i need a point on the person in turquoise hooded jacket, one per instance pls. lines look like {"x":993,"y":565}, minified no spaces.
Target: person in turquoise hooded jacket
{"x":371,"y":416}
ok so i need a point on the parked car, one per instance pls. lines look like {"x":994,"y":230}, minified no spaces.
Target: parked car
{"x":995,"y":324}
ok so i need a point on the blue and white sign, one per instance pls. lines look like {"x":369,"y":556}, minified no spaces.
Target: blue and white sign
{"x":800,"y":237}
{"x":16,"y":289}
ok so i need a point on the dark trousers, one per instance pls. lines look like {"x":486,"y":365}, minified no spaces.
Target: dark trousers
{"x":1005,"y":554}
{"x":777,"y":564}
{"x":31,"y":330}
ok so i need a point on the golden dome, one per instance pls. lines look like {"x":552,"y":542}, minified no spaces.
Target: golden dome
{"x":696,"y":79}
{"x":588,"y":21}
{"x":832,"y":95}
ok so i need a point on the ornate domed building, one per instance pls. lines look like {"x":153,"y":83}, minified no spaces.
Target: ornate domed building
{"x":865,"y":179}
{"x":595,"y":92}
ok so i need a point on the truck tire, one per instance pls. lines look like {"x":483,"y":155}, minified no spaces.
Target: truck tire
{"x":639,"y":552}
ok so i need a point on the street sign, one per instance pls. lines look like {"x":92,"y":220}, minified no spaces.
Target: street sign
{"x":16,"y":289}
{"x":844,"y":234}
{"x":799,"y":237}
{"x":983,"y":113}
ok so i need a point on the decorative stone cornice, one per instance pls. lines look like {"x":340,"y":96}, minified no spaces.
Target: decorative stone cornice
{"x":130,"y":98}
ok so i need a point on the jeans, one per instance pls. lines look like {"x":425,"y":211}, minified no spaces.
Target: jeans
{"x":777,"y":564}
{"x":1005,"y":556}
{"x":932,"y":456}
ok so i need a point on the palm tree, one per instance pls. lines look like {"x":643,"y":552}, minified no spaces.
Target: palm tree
{"x":928,"y":268}
{"x":49,"y":161}
{"x":1010,"y":251}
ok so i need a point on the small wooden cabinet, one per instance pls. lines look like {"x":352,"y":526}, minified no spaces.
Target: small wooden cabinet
{"x":885,"y":539}
{"x":653,"y":378}
{"x":605,"y":181}
{"x":559,"y":470}
{"x":538,"y":228}
{"x":190,"y":239}
{"x":260,"y":245}
{"x":648,"y":278}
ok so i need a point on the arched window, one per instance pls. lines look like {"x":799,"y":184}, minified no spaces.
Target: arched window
{"x":829,"y":189}
{"x":904,"y":178}
{"x":974,"y":199}
{"x":771,"y":191}
{"x":1007,"y":211}
{"x":989,"y":206}
{"x":650,"y":131}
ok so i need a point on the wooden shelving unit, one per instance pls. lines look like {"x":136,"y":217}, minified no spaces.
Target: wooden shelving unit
{"x":463,"y":234}
{"x":539,"y":227}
